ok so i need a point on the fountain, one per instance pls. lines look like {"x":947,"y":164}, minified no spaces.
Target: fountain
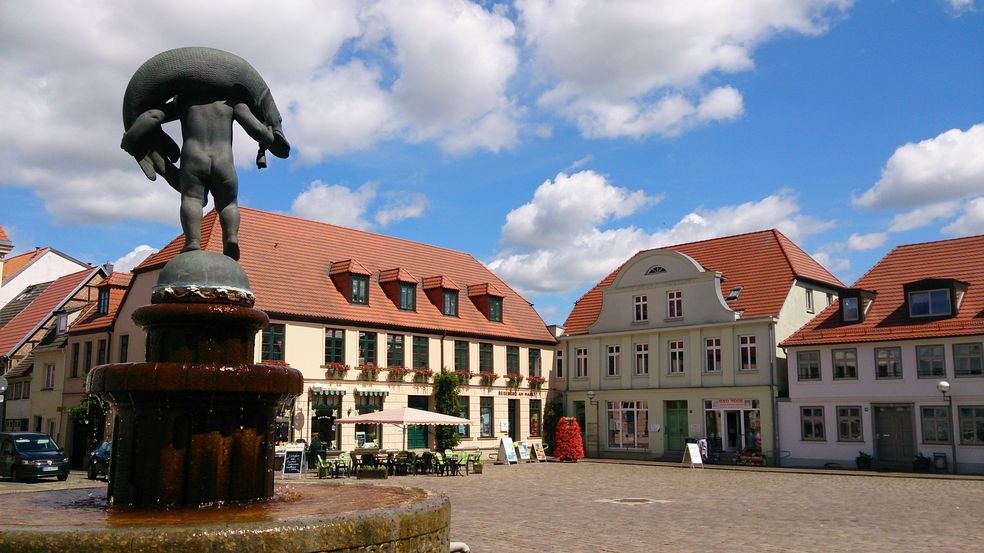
{"x":193,"y":444}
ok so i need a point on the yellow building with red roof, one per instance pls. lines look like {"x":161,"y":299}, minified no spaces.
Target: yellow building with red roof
{"x":680,"y":344}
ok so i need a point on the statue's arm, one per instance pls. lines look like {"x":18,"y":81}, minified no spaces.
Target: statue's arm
{"x":146,"y":122}
{"x":255,"y":128}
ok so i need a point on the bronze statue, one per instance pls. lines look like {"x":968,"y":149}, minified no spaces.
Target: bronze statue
{"x":206,"y":89}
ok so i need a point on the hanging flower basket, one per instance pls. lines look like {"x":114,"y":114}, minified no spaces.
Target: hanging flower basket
{"x":422,"y":376}
{"x":369,"y":372}
{"x":487,"y":377}
{"x":536,"y":382}
{"x":514,"y":379}
{"x":337,"y":370}
{"x":463,"y":377}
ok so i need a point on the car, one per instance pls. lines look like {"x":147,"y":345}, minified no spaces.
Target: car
{"x":31,"y":455}
{"x":99,"y":461}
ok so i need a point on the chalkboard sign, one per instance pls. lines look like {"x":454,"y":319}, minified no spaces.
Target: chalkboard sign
{"x":524,"y":453}
{"x":692,"y":455}
{"x":507,"y":451}
{"x":293,"y":460}
{"x":538,"y":452}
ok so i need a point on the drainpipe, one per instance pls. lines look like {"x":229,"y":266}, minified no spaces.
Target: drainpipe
{"x":773,"y":393}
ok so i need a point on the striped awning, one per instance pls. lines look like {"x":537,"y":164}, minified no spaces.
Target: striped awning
{"x":329,"y":392}
{"x":370,"y":393}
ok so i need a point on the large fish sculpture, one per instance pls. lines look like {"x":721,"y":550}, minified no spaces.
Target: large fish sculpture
{"x":196,"y":70}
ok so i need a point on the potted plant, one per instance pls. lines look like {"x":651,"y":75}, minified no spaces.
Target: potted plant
{"x":477,"y":467}
{"x":371,"y":472}
{"x":863,"y":461}
{"x":422,"y":375}
{"x":536,"y":382}
{"x":336,"y":370}
{"x":463,"y":376}
{"x":397,"y":373}
{"x":369,"y":372}
{"x":514,"y":379}
{"x":487,"y":377}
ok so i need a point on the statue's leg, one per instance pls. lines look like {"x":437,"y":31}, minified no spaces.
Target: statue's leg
{"x":225,"y":193}
{"x":192,"y":200}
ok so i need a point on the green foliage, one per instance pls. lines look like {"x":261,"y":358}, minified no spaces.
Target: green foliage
{"x":552,"y":413}
{"x":448,"y":402}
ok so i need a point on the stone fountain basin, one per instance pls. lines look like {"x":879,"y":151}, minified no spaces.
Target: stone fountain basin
{"x":316,"y":517}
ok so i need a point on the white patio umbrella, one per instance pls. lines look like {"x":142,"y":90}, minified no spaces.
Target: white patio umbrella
{"x":403,"y":416}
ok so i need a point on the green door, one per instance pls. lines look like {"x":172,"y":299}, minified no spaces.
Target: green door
{"x":417,"y":434}
{"x":676,"y":425}
{"x":514,"y":419}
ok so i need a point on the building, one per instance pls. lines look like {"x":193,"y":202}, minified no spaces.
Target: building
{"x":864,"y":374}
{"x":364,"y":317}
{"x":36,"y":316}
{"x":29,"y":268}
{"x":681,"y":343}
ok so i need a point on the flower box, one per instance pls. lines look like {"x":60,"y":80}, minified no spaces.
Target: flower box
{"x":536,"y":382}
{"x":514,"y":379}
{"x":422,"y":375}
{"x":336,"y":370}
{"x":488,"y":378}
{"x":369,"y":372}
{"x":463,"y":377}
{"x":396,"y":374}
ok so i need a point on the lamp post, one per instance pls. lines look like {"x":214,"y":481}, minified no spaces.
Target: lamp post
{"x":943,"y":386}
{"x":593,"y":401}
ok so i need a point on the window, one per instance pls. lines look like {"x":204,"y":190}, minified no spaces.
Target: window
{"x":408,"y":296}
{"x":808,"y":365}
{"x":272,"y":348}
{"x":676,"y":357}
{"x":972,"y":425}
{"x":334,"y":345}
{"x":845,"y":364}
{"x":929,"y":361}
{"x":451,"y":303}
{"x":614,"y":355}
{"x":628,"y":425}
{"x":360,"y":290}
{"x":641,"y":309}
{"x":929,"y":303}
{"x":642,"y":359}
{"x":809,"y":300}
{"x":674,"y":304}
{"x":812,"y":423}
{"x":103,"y":307}
{"x":536,"y":415}
{"x":935,"y":424}
{"x":101,"y":352}
{"x":849,"y":424}
{"x":464,"y":430}
{"x":61,"y":324}
{"x":394,"y":350}
{"x":748,"y":353}
{"x":49,"y":377}
{"x":485,"y":358}
{"x":368,"y":403}
{"x":559,"y":356}
{"x":27,"y":391}
{"x":486,"y":416}
{"x":655,"y":270}
{"x":581,"y":363}
{"x":512,"y":359}
{"x":712,"y":354}
{"x":495,"y":309}
{"x":888,"y":363}
{"x":734,"y":293}
{"x":75,"y":360}
{"x":367,"y":348}
{"x":830,"y":298}
{"x":88,"y":357}
{"x":967,"y":360}
{"x":534,"y":359}
{"x":124,"y":347}
{"x":850,"y":309}
{"x":460,"y":355}
{"x":421,"y":352}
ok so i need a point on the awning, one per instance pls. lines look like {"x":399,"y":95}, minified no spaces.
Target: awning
{"x":370,"y":393}
{"x":329,"y":392}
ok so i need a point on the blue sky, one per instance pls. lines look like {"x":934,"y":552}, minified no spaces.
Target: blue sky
{"x":551,"y":140}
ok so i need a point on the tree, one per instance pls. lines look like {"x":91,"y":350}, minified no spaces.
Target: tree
{"x":448,"y":402}
{"x":568,"y":438}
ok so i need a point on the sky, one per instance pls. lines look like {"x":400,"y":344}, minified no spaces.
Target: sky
{"x":551,"y":140}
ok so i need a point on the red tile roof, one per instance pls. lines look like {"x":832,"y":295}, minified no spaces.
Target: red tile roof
{"x":399,"y":275}
{"x":3,"y":235}
{"x":13,"y":265}
{"x":763,"y":263}
{"x":440,"y":281}
{"x":960,"y":258}
{"x":28,"y":321}
{"x":90,"y":320}
{"x":287,"y":260}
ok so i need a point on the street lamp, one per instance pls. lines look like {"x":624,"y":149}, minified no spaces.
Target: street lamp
{"x":943,"y":386}
{"x":593,"y":401}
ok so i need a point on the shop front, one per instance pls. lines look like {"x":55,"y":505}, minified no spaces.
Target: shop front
{"x":325,"y":407}
{"x":733,"y":425}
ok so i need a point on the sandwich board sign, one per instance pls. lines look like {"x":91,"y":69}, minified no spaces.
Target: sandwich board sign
{"x":294,"y":459}
{"x":507,"y":451}
{"x":692,"y":455}
{"x":538,"y":452}
{"x":524,"y":453}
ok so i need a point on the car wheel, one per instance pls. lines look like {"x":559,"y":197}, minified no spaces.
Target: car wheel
{"x":91,"y":474}
{"x":62,"y":477}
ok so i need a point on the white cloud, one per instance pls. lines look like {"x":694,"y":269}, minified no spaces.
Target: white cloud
{"x":922,"y":216}
{"x":947,"y":167}
{"x":135,"y":257}
{"x":959,"y":7}
{"x":344,"y":206}
{"x":833,"y":264}
{"x":861,"y":242}
{"x":970,"y":222}
{"x":643,"y":68}
{"x":560,"y":241}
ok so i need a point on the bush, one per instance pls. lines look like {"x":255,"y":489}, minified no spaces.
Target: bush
{"x":447,"y":402}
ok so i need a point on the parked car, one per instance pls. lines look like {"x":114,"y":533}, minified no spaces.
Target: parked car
{"x":29,"y":455}
{"x":99,"y":461}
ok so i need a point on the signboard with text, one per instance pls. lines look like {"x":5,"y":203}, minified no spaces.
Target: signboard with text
{"x":507,"y":451}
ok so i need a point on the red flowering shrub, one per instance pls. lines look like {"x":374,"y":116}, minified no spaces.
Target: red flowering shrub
{"x":567,"y":440}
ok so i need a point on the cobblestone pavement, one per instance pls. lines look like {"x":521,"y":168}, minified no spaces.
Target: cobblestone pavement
{"x":561,"y":507}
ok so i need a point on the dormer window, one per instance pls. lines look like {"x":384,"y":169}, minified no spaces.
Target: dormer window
{"x":450,"y":303}
{"x":488,"y":300}
{"x":103,"y":307}
{"x":855,"y":303}
{"x":495,"y":309}
{"x":351,"y":279}
{"x":443,"y":293}
{"x":360,"y":290}
{"x":934,"y":298}
{"x":408,"y":296}
{"x":850,"y":310}
{"x":61,"y":323}
{"x":734,"y":293}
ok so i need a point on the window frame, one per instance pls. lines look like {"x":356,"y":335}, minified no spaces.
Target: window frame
{"x":450,"y":307}
{"x":103,"y":303}
{"x":930,"y":303}
{"x":495,"y":309}
{"x":932,"y":360}
{"x":815,"y":416}
{"x":613,"y":366}
{"x":268,"y":342}
{"x":421,"y":352}
{"x":49,"y":377}
{"x":359,"y":290}
{"x":512,"y":359}
{"x":800,"y":365}
{"x":334,"y":345}
{"x":559,"y":363}
{"x":968,"y":359}
{"x":938,"y":421}
{"x":640,"y":308}
{"x":486,"y":403}
{"x":887,"y":362}
{"x":841,"y":364}
{"x":851,"y":309}
{"x":102,"y":351}
{"x":851,"y":415}
{"x":747,"y":353}
{"x":534,"y":361}
{"x":972,"y":426}
{"x":396,"y":353}
{"x":461,"y":355}
{"x":124,"y":348}
{"x":75,"y":360}
{"x":642,"y":359}
{"x":486,"y":357}
{"x":712,"y":355}
{"x":809,"y":300}
{"x":674,"y":304}
{"x":676,"y":349}
{"x":368,"y":345}
{"x":408,"y":297}
{"x":581,"y":362}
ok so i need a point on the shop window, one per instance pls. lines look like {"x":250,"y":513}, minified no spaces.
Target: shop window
{"x":536,"y":415}
{"x":748,"y":353}
{"x":334,"y":346}
{"x":464,"y":430}
{"x":642,"y":359}
{"x":849,"y":424}
{"x":394,"y":350}
{"x":811,"y":421}
{"x":712,"y":354}
{"x":888,"y":363}
{"x":628,"y":425}
{"x":935,"y":424}
{"x":967,"y":360}
{"x":370,"y":434}
{"x":614,"y":356}
{"x":640,"y":308}
{"x":930,"y":362}
{"x":486,"y":416}
{"x":972,"y":425}
{"x":272,"y":346}
{"x":845,"y":364}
